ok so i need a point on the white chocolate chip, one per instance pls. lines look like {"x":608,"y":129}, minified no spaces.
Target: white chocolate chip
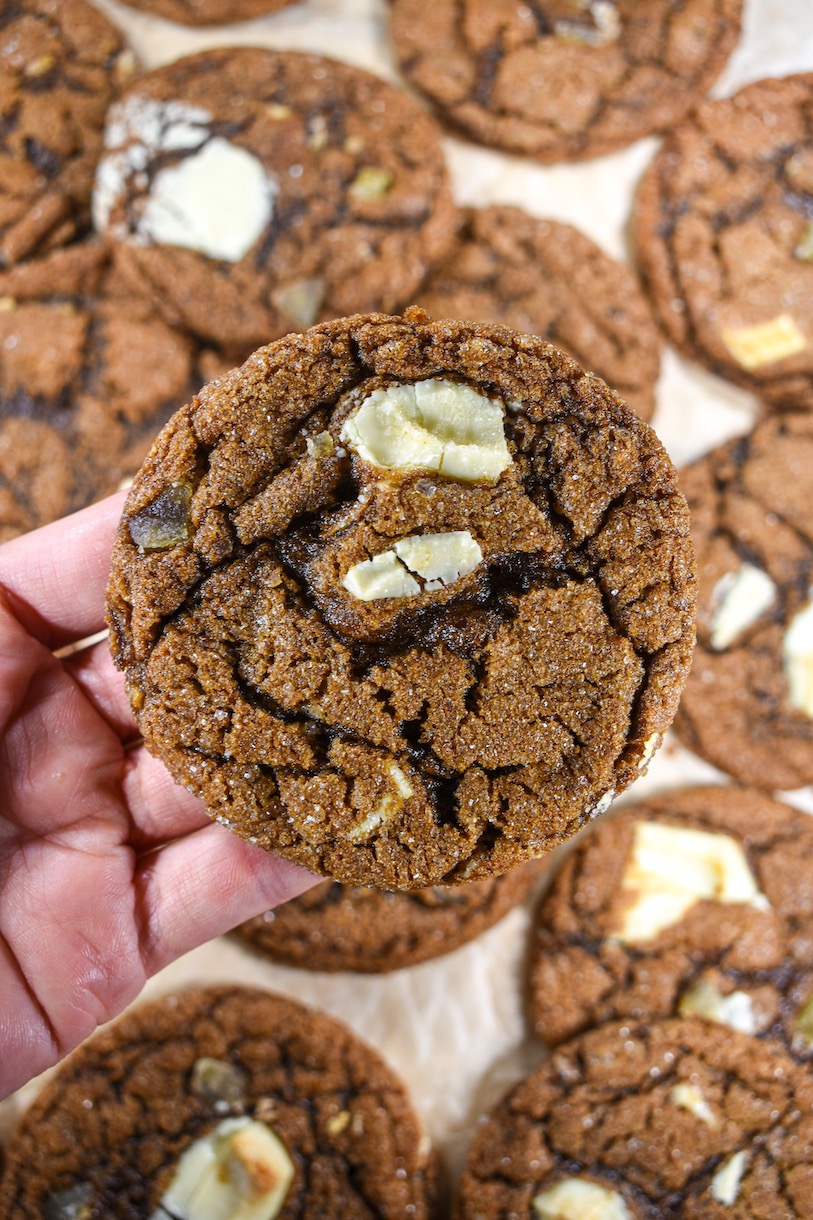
{"x":239,"y":1171}
{"x":690,"y":1097}
{"x":382,"y":576}
{"x":725,"y":1185}
{"x":301,"y":300}
{"x":319,"y":446}
{"x":739,"y":599}
{"x":797,"y":659}
{"x":650,"y":746}
{"x":431,"y":425}
{"x":391,"y":803}
{"x":803,"y":1024}
{"x":766,"y":343}
{"x":736,"y":1010}
{"x":606,"y":26}
{"x":671,"y":869}
{"x":577,"y":1199}
{"x":804,"y":250}
{"x":439,"y":559}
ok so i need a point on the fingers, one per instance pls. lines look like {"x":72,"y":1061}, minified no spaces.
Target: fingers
{"x":160,"y":809}
{"x":93,"y":670}
{"x":55,"y":577}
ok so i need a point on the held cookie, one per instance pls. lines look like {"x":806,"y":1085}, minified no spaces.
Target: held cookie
{"x":222,"y":1104}
{"x":336,"y":927}
{"x":60,"y":65}
{"x":649,"y":1122}
{"x":209,"y":12}
{"x":404,"y":601}
{"x":724,"y":238}
{"x":548,"y":279}
{"x":252,"y":192}
{"x":748,"y":705}
{"x":696,"y":904}
{"x":563,"y":79}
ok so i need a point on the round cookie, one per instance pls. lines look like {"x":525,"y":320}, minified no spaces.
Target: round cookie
{"x":748,"y":704}
{"x":563,"y":79}
{"x":724,"y":238}
{"x":209,"y":12}
{"x":252,"y":192}
{"x":334,"y":927}
{"x":548,"y":279}
{"x":649,"y":1122}
{"x":404,"y":601}
{"x":698,"y":903}
{"x":60,"y":65}
{"x":230,"y":1095}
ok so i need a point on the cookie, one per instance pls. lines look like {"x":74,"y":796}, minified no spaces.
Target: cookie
{"x":548,"y":279}
{"x":748,"y":705}
{"x":563,"y":79}
{"x":215,"y":1104}
{"x":87,"y":378}
{"x":335,"y":927}
{"x":209,"y":12}
{"x":724,"y":238}
{"x":697,"y":903}
{"x":649,"y":1122}
{"x":60,"y":65}
{"x":404,"y":601}
{"x":252,"y":192}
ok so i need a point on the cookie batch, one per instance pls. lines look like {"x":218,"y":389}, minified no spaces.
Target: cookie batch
{"x":406,"y":589}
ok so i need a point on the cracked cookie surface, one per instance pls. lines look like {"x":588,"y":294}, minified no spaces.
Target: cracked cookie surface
{"x":748,"y":704}
{"x":251,"y":193}
{"x":391,"y":674}
{"x":724,"y":238}
{"x":695,"y":904}
{"x":110,"y":1129}
{"x":563,"y":79}
{"x":649,"y":1122}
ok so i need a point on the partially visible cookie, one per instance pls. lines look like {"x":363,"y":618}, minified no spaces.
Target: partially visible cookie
{"x":698,"y":903}
{"x":60,"y":65}
{"x":337,"y":927}
{"x":209,"y":12}
{"x":548,"y":279}
{"x":215,"y":1102}
{"x":252,"y":192}
{"x":563,"y":79}
{"x":724,"y":238}
{"x":649,"y":1122}
{"x":748,"y":704}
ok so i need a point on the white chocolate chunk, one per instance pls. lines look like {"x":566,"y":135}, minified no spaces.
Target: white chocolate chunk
{"x":739,"y":599}
{"x":216,"y":201}
{"x":239,"y":1171}
{"x":804,"y":250}
{"x":431,"y":425}
{"x":736,"y":1010}
{"x":797,"y":659}
{"x":766,"y":343}
{"x":382,"y":576}
{"x":319,"y":446}
{"x":391,"y":803}
{"x":650,"y":746}
{"x":671,"y":869}
{"x":803,"y":1025}
{"x":606,"y":25}
{"x":301,"y":300}
{"x":689,"y":1097}
{"x":440,"y":558}
{"x":725,"y":1185}
{"x":577,"y":1199}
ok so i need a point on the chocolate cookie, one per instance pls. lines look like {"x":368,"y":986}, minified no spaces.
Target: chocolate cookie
{"x":220,"y":1103}
{"x":649,"y":1122}
{"x":698,"y":903}
{"x":748,"y":705}
{"x":724,"y":238}
{"x":253,"y":192}
{"x":209,"y":12}
{"x":404,"y":601}
{"x":336,"y":927}
{"x":87,"y":378}
{"x":563,"y":79}
{"x":60,"y":65}
{"x":549,"y":279}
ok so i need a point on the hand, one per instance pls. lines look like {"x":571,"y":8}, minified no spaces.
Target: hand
{"x":108,"y":870}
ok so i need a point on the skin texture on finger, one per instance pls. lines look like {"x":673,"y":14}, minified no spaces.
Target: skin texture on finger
{"x":103,"y":685}
{"x":160,"y":810}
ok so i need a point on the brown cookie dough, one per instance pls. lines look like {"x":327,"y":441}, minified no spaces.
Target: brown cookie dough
{"x":87,"y":379}
{"x":209,"y":12}
{"x":563,"y":79}
{"x":336,"y":927}
{"x":404,"y":601}
{"x":281,"y":1098}
{"x":60,"y":65}
{"x":252,"y":192}
{"x":724,"y":238}
{"x":748,"y":705}
{"x":548,"y":279}
{"x":649,"y":1122}
{"x":698,"y":903}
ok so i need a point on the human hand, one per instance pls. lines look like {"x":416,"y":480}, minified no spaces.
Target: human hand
{"x":108,"y":869}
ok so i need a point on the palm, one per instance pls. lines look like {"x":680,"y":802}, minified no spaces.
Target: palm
{"x":89,"y":907}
